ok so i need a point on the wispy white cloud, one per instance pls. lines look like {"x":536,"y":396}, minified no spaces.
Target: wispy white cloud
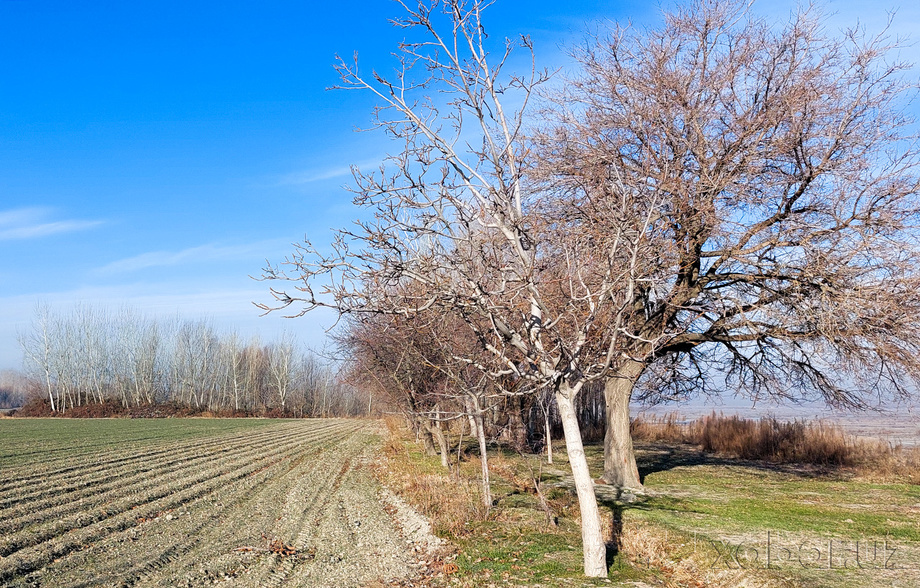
{"x":200,"y":254}
{"x":318,"y":175}
{"x":34,"y":222}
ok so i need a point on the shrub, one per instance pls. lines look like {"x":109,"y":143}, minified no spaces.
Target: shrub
{"x":769,"y":439}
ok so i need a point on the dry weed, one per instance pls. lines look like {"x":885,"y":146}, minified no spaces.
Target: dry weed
{"x":449,"y":502}
{"x":666,"y":428}
{"x":769,"y":439}
{"x":653,"y":547}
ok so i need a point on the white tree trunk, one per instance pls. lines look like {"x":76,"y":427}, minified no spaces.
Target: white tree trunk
{"x":592,"y":538}
{"x":484,"y":460}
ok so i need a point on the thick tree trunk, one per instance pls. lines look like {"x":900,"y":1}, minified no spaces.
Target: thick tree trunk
{"x":619,"y":458}
{"x":592,"y":538}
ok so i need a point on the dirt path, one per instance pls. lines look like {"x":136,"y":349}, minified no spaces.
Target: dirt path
{"x":288,"y":505}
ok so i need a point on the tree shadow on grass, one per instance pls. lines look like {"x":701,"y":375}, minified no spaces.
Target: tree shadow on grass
{"x":659,"y":457}
{"x":613,"y":540}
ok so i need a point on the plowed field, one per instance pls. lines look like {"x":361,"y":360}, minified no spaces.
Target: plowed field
{"x":230,"y":503}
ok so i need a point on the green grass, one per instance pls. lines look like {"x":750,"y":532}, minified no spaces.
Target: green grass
{"x":22,"y":440}
{"x":742,"y":499}
{"x":718,"y":505}
{"x":720,"y":513}
{"x":513,"y":545}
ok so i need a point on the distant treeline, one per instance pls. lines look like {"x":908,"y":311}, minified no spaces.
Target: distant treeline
{"x":12,"y":389}
{"x":94,"y":356}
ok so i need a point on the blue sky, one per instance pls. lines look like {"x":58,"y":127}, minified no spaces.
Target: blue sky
{"x":154,"y":154}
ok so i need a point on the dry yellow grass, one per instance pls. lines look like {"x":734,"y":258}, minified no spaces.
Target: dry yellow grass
{"x":769,"y":439}
{"x":680,"y":566}
{"x":449,"y":501}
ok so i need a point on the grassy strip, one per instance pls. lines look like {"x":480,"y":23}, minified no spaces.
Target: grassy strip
{"x":523,"y":540}
{"x":706,"y":521}
{"x":794,"y":525}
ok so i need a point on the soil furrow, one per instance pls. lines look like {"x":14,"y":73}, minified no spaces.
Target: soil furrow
{"x":216,"y":544}
{"x":300,"y":510}
{"x":155,"y":489}
{"x":87,"y":469}
{"x":290,"y":506}
{"x":111,"y":484}
{"x":203,"y":529}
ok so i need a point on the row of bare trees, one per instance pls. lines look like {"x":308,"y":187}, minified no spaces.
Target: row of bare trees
{"x":415,"y":372}
{"x":91,"y":355}
{"x":715,"y":203}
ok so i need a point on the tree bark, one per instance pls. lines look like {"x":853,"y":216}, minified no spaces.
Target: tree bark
{"x":424,"y":435}
{"x":483,"y":460}
{"x":619,"y":458}
{"x":592,"y":539}
{"x":516,"y":430}
{"x":438,"y":435}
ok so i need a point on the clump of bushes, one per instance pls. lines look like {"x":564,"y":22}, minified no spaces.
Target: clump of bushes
{"x":772,"y":440}
{"x":778,"y":441}
{"x":38,"y":406}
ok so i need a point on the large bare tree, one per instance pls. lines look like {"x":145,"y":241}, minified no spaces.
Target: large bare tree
{"x":453,"y":221}
{"x":764,"y":183}
{"x":715,"y":194}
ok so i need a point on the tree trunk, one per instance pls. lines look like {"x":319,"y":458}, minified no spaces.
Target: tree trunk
{"x":619,"y":458}
{"x":469,"y":415}
{"x":438,"y":435}
{"x":547,"y":426}
{"x":517,"y":430}
{"x":50,"y":389}
{"x":592,"y":538}
{"x":484,"y":460}
{"x":442,"y":440}
{"x":424,"y":434}
{"x":427,"y":441}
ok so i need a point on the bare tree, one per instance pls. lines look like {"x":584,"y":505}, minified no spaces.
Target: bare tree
{"x":395,"y":357}
{"x":145,"y":354}
{"x":453,"y":219}
{"x":716,"y":194}
{"x":89,"y":355}
{"x":92,"y":346}
{"x":744,"y":199}
{"x":281,"y":367}
{"x":233,"y":357}
{"x":37,"y":346}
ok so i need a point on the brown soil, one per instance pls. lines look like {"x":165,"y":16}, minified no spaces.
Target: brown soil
{"x":291,"y":505}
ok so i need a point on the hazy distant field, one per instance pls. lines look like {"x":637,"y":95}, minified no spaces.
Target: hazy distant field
{"x":192,"y":502}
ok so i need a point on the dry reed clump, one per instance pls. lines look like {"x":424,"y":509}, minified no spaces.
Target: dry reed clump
{"x":773,"y":440}
{"x":776,"y":441}
{"x":667,"y":428}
